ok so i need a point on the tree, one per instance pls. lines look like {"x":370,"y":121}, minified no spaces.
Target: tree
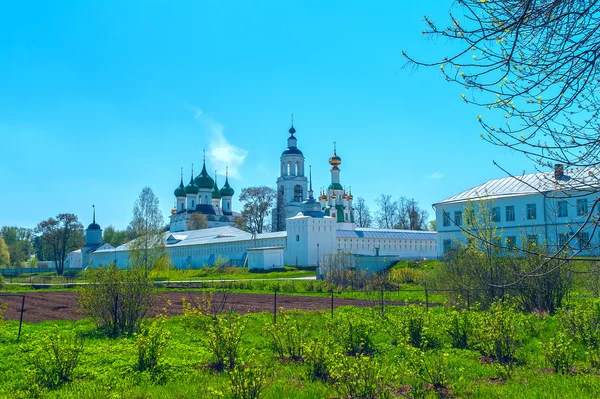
{"x":62,"y":235}
{"x":535,"y":62}
{"x":279,"y":212}
{"x":4,"y":254}
{"x":362,"y":214}
{"x":19,"y":242}
{"x":147,"y":226}
{"x":115,"y":237}
{"x":240,"y":222}
{"x":432,"y":225}
{"x":257,"y":202}
{"x":197,"y":221}
{"x":387,"y":214}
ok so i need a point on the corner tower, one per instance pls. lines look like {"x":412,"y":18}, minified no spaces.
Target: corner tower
{"x":292,"y":184}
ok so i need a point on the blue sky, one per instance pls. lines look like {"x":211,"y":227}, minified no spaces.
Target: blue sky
{"x":99,"y":99}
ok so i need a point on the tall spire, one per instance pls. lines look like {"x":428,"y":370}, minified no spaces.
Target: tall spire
{"x":292,"y":129}
{"x":94,"y":206}
{"x":334,"y":148}
{"x":310,"y":177}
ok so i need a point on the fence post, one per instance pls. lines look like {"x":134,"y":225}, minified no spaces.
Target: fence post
{"x":21,"y":318}
{"x":275,"y":307}
{"x":426,"y":299}
{"x":115,"y":316}
{"x":332,"y":303}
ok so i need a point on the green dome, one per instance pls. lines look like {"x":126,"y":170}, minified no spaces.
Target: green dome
{"x":227,"y":191}
{"x":191,"y":188}
{"x":335,"y":186}
{"x":180,"y":191}
{"x":203,"y":180}
{"x":216,"y":194}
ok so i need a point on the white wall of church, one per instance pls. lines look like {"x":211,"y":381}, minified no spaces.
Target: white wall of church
{"x":309,"y":238}
{"x":405,"y":249}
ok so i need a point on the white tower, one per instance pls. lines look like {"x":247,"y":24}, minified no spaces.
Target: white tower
{"x":93,"y":239}
{"x":227,"y":194}
{"x":292,"y":182}
{"x":191,"y":192}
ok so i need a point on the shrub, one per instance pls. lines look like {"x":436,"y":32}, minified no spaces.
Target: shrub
{"x":582,"y":322}
{"x":430,"y":368}
{"x":53,"y":357}
{"x":406,"y":275}
{"x":498,"y":333}
{"x":247,"y":380}
{"x":288,"y":286}
{"x":117,"y":299}
{"x":318,"y":357}
{"x":459,"y":327}
{"x":560,"y":353}
{"x":223,"y":339}
{"x":354,"y":333}
{"x":151,"y":342}
{"x":359,"y":377}
{"x":411,"y":326}
{"x":288,"y":336}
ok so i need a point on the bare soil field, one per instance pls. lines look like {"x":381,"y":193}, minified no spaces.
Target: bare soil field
{"x":43,"y":306}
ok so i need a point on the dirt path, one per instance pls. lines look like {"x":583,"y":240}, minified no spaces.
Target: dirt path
{"x":42,"y":306}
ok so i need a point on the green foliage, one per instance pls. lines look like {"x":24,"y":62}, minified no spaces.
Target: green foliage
{"x":406,"y":275}
{"x":52,"y":357}
{"x":582,"y":322}
{"x":247,"y":379}
{"x":359,"y":377}
{"x":223,"y":339}
{"x":354,"y":333}
{"x":4,"y":254}
{"x":287,"y":338}
{"x":459,"y":327}
{"x":117,"y":299}
{"x":499,"y":332}
{"x":560,"y":353}
{"x":318,"y":357}
{"x":151,"y":343}
{"x":429,"y":368}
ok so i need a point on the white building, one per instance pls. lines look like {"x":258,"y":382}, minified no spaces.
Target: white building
{"x":543,"y":208}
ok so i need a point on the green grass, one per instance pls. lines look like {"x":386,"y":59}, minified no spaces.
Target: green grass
{"x":106,"y":369}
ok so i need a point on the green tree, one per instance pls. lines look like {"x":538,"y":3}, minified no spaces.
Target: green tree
{"x":4,"y":254}
{"x":197,"y":221}
{"x":257,"y":203}
{"x":19,"y":242}
{"x":147,"y":225}
{"x":62,"y":235}
{"x":115,"y":237}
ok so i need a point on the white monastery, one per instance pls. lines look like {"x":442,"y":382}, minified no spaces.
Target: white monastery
{"x":314,"y":228}
{"x":550,"y":209}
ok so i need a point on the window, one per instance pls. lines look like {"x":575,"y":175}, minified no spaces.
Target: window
{"x":298,"y":193}
{"x":458,"y":218}
{"x":531,"y":212}
{"x":496,"y":214}
{"x":562,"y":211}
{"x":446,"y":221}
{"x":532,"y":239}
{"x":562,"y":239}
{"x":584,"y":240}
{"x":297,"y":237}
{"x":582,"y":206}
{"x":510,"y":213}
{"x":447,"y":245}
{"x":511,"y":241}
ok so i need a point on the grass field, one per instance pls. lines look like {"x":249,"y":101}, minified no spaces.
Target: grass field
{"x":107,"y":367}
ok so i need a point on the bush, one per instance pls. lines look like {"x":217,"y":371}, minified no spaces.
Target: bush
{"x":430,"y":368}
{"x":582,"y":322}
{"x":288,"y":336}
{"x":318,"y":357}
{"x":223,"y":339}
{"x":247,"y":380}
{"x":354,"y":333}
{"x":53,"y":357}
{"x":359,"y":377}
{"x":406,"y":275}
{"x":459,"y":328}
{"x":117,"y":299}
{"x":560,"y":353}
{"x":151,"y":342}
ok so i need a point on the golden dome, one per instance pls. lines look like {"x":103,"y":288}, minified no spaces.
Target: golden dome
{"x":350,"y":197}
{"x":335,"y":160}
{"x":333,"y":196}
{"x":173,"y":211}
{"x":345,"y":196}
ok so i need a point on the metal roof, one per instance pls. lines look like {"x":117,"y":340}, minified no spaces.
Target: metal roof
{"x":584,"y":179}
{"x":387,"y":233}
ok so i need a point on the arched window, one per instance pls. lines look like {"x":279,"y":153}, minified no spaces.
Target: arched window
{"x":298,"y":193}
{"x":289,"y":168}
{"x":298,"y":171}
